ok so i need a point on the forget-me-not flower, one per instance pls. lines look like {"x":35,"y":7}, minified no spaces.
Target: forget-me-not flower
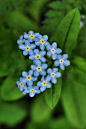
{"x":27,"y":47}
{"x":21,"y":84}
{"x":53,"y":50}
{"x":20,"y":40}
{"x":38,"y":68}
{"x":32,"y":90}
{"x":44,"y":83}
{"x":31,"y":36}
{"x":53,"y":74}
{"x":38,"y":55}
{"x":81,"y":24}
{"x":62,"y":61}
{"x":42,"y":41}
{"x":28,"y":77}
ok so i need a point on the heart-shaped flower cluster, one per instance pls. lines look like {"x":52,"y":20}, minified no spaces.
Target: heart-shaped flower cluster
{"x":42,"y":53}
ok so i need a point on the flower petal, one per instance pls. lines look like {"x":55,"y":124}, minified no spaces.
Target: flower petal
{"x":24,"y":74}
{"x":54,"y":45}
{"x":66,"y":62}
{"x":65,"y":56}
{"x":58,"y":74}
{"x":62,"y":66}
{"x":54,"y":80}
{"x":56,"y":63}
{"x":32,"y":94}
{"x":49,"y":71}
{"x":54,"y":56}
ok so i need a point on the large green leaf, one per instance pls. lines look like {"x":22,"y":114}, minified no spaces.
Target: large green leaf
{"x":40,"y":112}
{"x":9,"y":89}
{"x":67,"y":31}
{"x":12,"y":113}
{"x":52,"y":94}
{"x":73,"y":99}
{"x":79,"y":63}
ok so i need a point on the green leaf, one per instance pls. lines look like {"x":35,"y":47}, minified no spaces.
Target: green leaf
{"x":77,"y":74}
{"x":40,"y":112}
{"x":79,"y":62}
{"x":36,"y":8}
{"x":60,"y":123}
{"x":52,"y":94}
{"x":73,"y":100}
{"x":9,"y":89}
{"x":7,"y":5}
{"x":12,"y":113}
{"x":12,"y":59}
{"x":67,"y":32}
{"x":18,"y":21}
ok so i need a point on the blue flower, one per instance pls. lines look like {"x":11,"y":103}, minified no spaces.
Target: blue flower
{"x":62,"y":61}
{"x":81,"y":24}
{"x":21,"y":84}
{"x":20,"y":40}
{"x":38,"y":55}
{"x":39,"y":68}
{"x":53,"y":74}
{"x":53,"y":50}
{"x":31,"y":36}
{"x":32,"y":90}
{"x":28,"y":77}
{"x":42,"y":41}
{"x":27,"y":47}
{"x":44,"y":83}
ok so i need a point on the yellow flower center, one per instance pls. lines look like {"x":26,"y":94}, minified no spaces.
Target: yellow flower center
{"x":31,"y":36}
{"x":27,"y":48}
{"x":21,"y":84}
{"x":39,"y":68}
{"x":32,"y":90}
{"x":53,"y":50}
{"x":44,"y":83}
{"x":42,"y":41}
{"x":28,"y":77}
{"x":61,"y":60}
{"x":20,"y":41}
{"x":52,"y":74}
{"x":37,"y":56}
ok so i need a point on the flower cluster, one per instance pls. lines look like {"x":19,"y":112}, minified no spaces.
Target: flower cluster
{"x":39,"y":50}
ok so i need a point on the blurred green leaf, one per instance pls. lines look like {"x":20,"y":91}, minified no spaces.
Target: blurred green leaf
{"x":60,"y":123}
{"x":67,"y":31}
{"x":11,"y":57}
{"x":7,"y":5}
{"x":77,"y":74}
{"x":36,"y":8}
{"x":79,"y":62}
{"x":12,"y":113}
{"x":9,"y":89}
{"x":19,"y":21}
{"x":73,"y":100}
{"x":40,"y":112}
{"x":52,"y":94}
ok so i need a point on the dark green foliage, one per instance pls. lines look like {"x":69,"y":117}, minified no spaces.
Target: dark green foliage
{"x":62,"y":24}
{"x":57,"y":11}
{"x":12,"y":113}
{"x":7,"y":5}
{"x":73,"y":99}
